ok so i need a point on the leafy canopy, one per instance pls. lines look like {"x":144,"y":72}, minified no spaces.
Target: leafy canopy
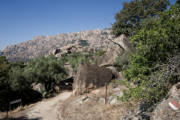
{"x":131,"y":17}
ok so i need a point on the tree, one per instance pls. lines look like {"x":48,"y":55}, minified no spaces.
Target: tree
{"x":46,"y":70}
{"x":4,"y":81}
{"x":4,"y":69}
{"x":18,"y":80}
{"x":134,"y":13}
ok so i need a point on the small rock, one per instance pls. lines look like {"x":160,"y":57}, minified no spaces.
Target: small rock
{"x":82,"y":100}
{"x":116,"y":89}
{"x":102,"y":100}
{"x":112,"y":100}
{"x":118,"y":94}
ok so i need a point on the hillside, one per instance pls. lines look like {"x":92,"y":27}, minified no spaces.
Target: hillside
{"x":41,"y":45}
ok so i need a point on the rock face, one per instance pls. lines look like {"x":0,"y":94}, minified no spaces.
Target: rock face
{"x":90,"y":77}
{"x":163,"y":111}
{"x":123,"y":42}
{"x":41,"y":45}
{"x":113,"y":49}
{"x":71,"y":48}
{"x":63,"y":44}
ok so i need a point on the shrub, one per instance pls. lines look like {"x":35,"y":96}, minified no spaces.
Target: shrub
{"x":122,"y":61}
{"x":155,"y":46}
{"x":46,"y":70}
{"x":83,"y":43}
{"x":76,"y":59}
{"x":100,"y":53}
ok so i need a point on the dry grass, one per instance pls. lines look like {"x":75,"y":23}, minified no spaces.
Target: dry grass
{"x":92,"y":109}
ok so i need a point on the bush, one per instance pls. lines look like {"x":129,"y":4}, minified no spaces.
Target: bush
{"x":155,"y":46}
{"x":76,"y":59}
{"x":83,"y":43}
{"x":46,"y":70}
{"x":100,"y":53}
{"x":122,"y":61}
{"x":14,"y":84}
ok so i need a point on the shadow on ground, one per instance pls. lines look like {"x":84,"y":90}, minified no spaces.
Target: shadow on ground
{"x":20,"y":118}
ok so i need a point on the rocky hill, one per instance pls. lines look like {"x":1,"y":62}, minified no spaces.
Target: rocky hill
{"x":42,"y":45}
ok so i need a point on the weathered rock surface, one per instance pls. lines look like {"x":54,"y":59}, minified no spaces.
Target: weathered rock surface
{"x":41,"y":45}
{"x":115,"y":72}
{"x":91,"y":77}
{"x":137,"y":113}
{"x":71,"y":48}
{"x":114,"y":49}
{"x":163,"y":111}
{"x":123,"y":42}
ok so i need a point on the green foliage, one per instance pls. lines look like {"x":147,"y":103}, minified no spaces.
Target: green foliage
{"x":76,"y":59}
{"x":16,"y":78}
{"x":83,"y":43}
{"x":13,"y":83}
{"x":100,"y":53}
{"x":122,"y":61}
{"x":46,"y":70}
{"x":155,"y":44}
{"x":4,"y":77}
{"x":130,"y":18}
{"x":4,"y":69}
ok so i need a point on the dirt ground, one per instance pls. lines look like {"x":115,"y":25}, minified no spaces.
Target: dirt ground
{"x":66,"y":106}
{"x":44,"y":110}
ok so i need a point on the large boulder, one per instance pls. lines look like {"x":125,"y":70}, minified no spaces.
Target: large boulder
{"x":169,"y":109}
{"x":90,"y":77}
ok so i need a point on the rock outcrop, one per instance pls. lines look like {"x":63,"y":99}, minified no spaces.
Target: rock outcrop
{"x":41,"y":45}
{"x":90,"y":77}
{"x":114,"y":49}
{"x":69,"y":49}
{"x":165,"y":110}
{"x":63,"y":44}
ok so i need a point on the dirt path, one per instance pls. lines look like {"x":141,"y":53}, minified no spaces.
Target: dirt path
{"x":47,"y":110}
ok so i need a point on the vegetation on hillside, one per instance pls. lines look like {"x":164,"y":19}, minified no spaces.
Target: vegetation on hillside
{"x":154,"y":67}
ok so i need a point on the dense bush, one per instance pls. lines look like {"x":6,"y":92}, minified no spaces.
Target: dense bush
{"x":14,"y":85}
{"x":122,"y":61}
{"x":76,"y":59}
{"x":46,"y":70}
{"x":155,"y":46}
{"x":16,"y":78}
